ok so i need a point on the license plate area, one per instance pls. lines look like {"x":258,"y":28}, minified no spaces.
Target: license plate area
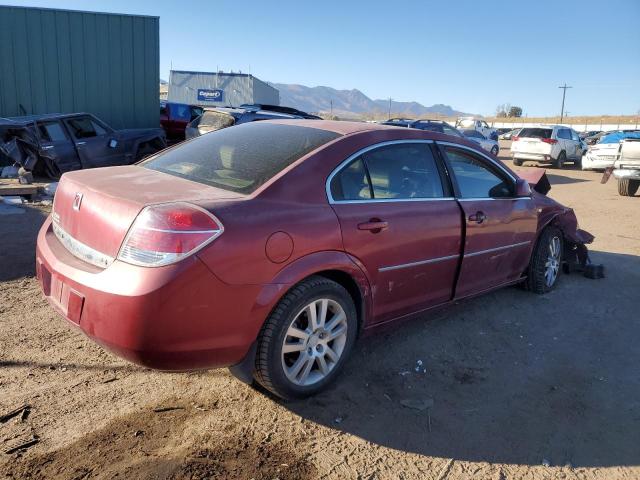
{"x":65,"y":299}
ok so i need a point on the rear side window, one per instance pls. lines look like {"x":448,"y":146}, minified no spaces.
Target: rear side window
{"x":475,"y":178}
{"x":352,"y":183}
{"x":242,"y":158}
{"x":400,"y":171}
{"x":536,"y":133}
{"x":216,"y":120}
{"x":51,"y":132}
{"x":564,"y":133}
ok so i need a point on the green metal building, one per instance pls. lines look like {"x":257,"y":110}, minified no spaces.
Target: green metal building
{"x":61,"y":61}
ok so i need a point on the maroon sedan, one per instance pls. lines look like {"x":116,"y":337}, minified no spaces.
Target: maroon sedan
{"x":271,"y":246}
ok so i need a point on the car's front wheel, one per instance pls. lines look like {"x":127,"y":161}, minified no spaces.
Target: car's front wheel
{"x":495,"y":150}
{"x":517,"y":162}
{"x":545,"y":263}
{"x":306,"y":339}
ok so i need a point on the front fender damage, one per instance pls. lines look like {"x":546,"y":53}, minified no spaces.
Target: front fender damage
{"x":576,"y":254}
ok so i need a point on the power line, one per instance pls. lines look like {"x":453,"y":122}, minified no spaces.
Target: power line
{"x":564,"y":93}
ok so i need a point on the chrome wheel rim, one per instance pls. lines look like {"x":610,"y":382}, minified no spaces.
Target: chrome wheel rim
{"x":314,"y":342}
{"x":552,"y":265}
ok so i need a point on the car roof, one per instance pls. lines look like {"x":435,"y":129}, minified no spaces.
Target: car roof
{"x":336,"y":126}
{"x":26,"y":119}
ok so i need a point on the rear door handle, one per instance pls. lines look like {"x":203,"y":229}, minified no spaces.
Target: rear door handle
{"x":374,"y":225}
{"x":477,"y":217}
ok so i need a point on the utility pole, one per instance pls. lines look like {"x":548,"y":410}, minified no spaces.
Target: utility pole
{"x":389,"y":118}
{"x":331,"y":114}
{"x":564,"y":93}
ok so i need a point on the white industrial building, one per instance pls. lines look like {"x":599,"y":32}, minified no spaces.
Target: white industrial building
{"x":219,"y":89}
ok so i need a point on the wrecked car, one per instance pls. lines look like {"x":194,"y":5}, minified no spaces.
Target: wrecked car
{"x":272,"y":246}
{"x":53,"y":144}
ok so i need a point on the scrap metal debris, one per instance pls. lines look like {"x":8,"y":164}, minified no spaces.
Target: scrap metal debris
{"x":23,"y":411}
{"x":22,"y":446}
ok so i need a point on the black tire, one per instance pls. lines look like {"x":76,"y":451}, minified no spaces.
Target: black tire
{"x":536,"y":280}
{"x":495,"y":150}
{"x":269,"y":371}
{"x":517,"y":162}
{"x":628,"y":187}
{"x":559,"y":162}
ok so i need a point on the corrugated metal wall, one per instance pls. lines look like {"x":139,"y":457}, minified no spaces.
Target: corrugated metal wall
{"x":60,"y":61}
{"x":237,"y":88}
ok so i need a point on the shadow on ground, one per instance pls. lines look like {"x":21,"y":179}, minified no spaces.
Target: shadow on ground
{"x":18,"y":234}
{"x":514,"y":377}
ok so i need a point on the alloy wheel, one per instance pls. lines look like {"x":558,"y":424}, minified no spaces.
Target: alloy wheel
{"x":314,"y":342}
{"x":552,"y":265}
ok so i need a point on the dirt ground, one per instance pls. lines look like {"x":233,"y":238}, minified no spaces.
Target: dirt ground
{"x":523,"y":386}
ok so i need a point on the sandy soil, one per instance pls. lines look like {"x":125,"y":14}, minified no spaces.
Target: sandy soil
{"x":523,"y":386}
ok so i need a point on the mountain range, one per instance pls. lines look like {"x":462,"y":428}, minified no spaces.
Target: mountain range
{"x":353,"y":103}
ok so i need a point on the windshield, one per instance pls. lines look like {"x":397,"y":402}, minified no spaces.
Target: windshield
{"x":468,"y":123}
{"x":472,"y":134}
{"x":240,"y":158}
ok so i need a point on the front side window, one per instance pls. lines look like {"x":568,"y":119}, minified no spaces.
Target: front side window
{"x":475,"y":178}
{"x":400,"y":171}
{"x":242,"y":158}
{"x":84,"y":127}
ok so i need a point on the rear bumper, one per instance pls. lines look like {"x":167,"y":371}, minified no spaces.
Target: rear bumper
{"x":537,"y":157}
{"x":630,"y":173}
{"x":177,"y":317}
{"x":592,"y":162}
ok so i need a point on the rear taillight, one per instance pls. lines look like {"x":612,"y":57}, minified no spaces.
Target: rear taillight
{"x":551,"y":141}
{"x":515,"y":138}
{"x":167,"y":233}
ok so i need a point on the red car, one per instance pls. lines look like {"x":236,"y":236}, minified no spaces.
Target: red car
{"x":271,"y":246}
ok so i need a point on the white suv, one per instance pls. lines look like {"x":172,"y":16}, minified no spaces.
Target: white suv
{"x":547,"y":143}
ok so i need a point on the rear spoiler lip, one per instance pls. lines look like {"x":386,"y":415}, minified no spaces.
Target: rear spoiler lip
{"x":536,"y":178}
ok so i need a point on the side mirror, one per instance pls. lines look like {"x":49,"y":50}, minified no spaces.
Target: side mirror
{"x":522,"y":188}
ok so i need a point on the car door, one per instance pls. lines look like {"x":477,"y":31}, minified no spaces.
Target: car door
{"x":56,"y":144}
{"x":400,"y":222}
{"x":564,"y":136}
{"x":500,"y":228}
{"x":96,"y":143}
{"x":577,"y":144}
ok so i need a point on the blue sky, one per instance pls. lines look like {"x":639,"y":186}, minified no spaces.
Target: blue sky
{"x":472,"y":55}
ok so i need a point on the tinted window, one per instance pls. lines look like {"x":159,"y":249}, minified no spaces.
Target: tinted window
{"x":475,"y":178}
{"x":216,"y":120}
{"x":52,"y":132}
{"x":241,"y":158}
{"x":472,"y":134}
{"x":536,"y":133}
{"x":351,"y":183}
{"x":564,"y":133}
{"x":432,"y":127}
{"x":84,"y":127}
{"x":450,"y":130}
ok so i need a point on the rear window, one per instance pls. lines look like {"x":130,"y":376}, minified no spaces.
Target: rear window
{"x":241,"y":158}
{"x":536,"y":132}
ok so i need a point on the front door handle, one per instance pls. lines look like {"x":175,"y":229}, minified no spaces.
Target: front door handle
{"x":477,"y":217}
{"x":374,"y":225}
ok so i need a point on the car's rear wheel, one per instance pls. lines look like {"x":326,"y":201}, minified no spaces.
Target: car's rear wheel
{"x":495,"y":150}
{"x":559,"y":162}
{"x":628,"y":187}
{"x":517,"y":162}
{"x":306,"y":339}
{"x":545,"y":263}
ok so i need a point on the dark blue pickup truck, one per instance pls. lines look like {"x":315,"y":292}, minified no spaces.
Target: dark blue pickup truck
{"x":53,"y":144}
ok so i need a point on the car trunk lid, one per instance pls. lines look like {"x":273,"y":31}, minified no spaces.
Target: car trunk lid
{"x":93,"y":209}
{"x":533,"y":140}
